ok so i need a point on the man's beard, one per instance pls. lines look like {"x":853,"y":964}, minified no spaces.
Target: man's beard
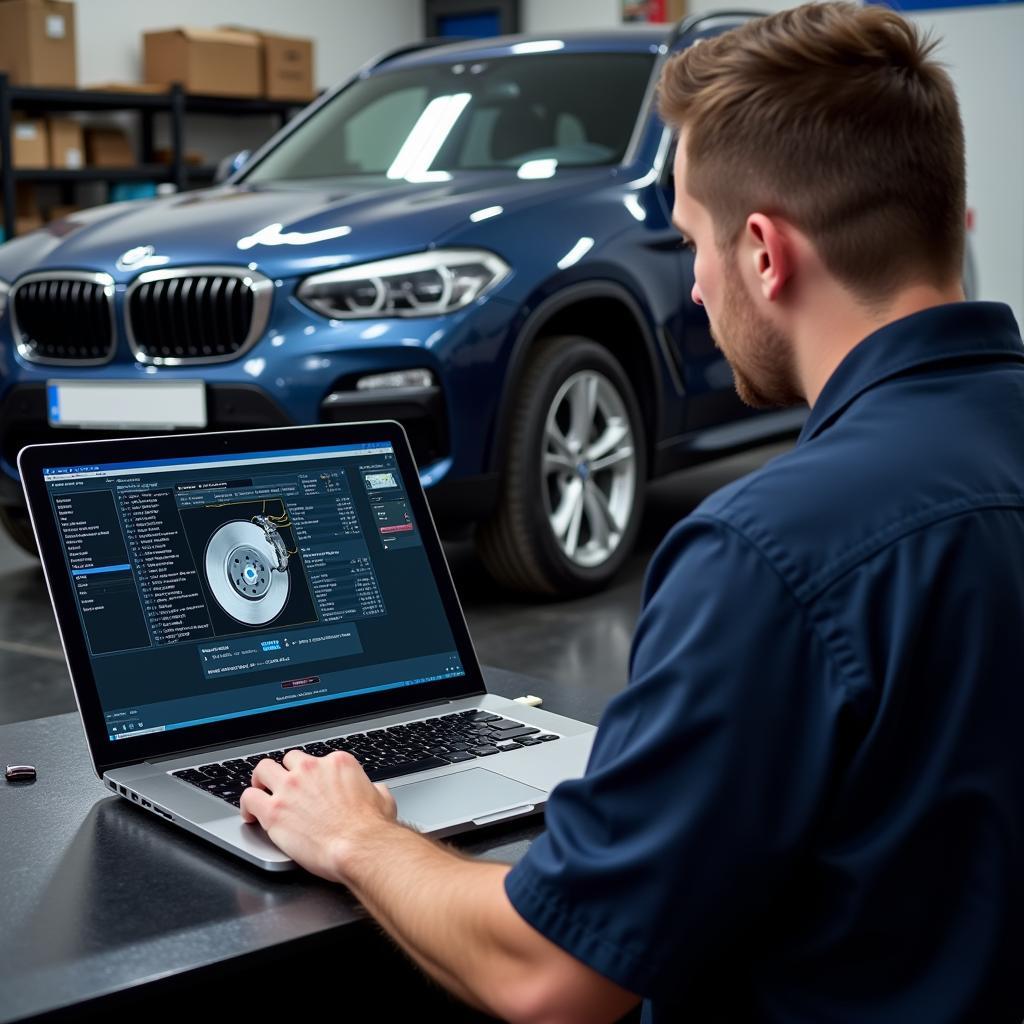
{"x":760,"y":355}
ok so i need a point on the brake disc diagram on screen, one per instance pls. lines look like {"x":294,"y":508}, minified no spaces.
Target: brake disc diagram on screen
{"x":246,"y":567}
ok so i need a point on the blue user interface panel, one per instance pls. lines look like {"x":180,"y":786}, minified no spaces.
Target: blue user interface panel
{"x":222,"y":586}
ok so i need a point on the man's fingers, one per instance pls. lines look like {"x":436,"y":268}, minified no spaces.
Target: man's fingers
{"x":268,"y":774}
{"x":294,"y":757}
{"x":343,"y":757}
{"x":254,"y":805}
{"x":388,"y":797}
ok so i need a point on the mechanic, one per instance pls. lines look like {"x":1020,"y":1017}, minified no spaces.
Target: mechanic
{"x":808,"y":804}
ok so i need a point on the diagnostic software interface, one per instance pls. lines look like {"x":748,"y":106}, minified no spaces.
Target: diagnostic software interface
{"x":221,"y":586}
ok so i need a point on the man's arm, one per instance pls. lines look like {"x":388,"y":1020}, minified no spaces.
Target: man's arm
{"x":448,"y":912}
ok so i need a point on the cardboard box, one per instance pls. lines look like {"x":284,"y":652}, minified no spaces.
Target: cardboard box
{"x":287,"y":68}
{"x":147,"y":88}
{"x":27,"y":215}
{"x":61,"y":210}
{"x":24,"y":223}
{"x":26,"y":202}
{"x":165,"y":155}
{"x":211,"y":62}
{"x":67,"y":144}
{"x":29,"y":142}
{"x":108,"y":147}
{"x":37,"y":42}
{"x":286,"y":64}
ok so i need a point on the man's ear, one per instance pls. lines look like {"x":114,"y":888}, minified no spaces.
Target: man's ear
{"x":770,"y":253}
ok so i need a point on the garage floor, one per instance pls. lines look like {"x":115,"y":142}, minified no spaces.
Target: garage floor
{"x":583,"y":641}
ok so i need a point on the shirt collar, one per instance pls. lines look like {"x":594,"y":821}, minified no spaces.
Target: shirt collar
{"x":953,"y":331}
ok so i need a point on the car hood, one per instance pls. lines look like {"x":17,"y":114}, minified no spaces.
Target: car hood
{"x":284,"y":229}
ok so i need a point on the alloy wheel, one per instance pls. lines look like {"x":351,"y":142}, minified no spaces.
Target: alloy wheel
{"x":588,"y":468}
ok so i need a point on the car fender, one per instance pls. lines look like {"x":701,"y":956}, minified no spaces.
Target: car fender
{"x":532,"y":329}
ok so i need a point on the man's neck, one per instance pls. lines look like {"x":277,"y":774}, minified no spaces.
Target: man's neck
{"x":838,"y":323}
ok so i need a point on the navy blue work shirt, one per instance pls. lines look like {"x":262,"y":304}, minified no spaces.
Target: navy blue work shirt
{"x":808,"y":804}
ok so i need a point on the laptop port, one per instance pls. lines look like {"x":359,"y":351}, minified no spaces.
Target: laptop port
{"x":146,"y":803}
{"x":135,"y":797}
{"x":124,"y":792}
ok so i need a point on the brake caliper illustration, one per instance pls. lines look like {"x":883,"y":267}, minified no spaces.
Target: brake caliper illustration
{"x":247,"y":568}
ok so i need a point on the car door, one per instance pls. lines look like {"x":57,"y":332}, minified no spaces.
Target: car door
{"x":705,"y":374}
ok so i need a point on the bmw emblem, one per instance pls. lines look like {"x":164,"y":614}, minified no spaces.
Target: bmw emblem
{"x":133,"y":257}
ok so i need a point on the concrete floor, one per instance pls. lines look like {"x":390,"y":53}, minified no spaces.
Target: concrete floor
{"x":585,"y":641}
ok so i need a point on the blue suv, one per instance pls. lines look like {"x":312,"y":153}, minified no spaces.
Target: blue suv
{"x":471,"y":238}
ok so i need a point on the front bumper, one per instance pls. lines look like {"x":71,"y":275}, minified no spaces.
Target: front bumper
{"x":305,"y":370}
{"x":23,"y":420}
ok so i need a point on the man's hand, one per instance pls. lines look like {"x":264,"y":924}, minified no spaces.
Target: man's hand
{"x":448,"y":912}
{"x":312,"y":807}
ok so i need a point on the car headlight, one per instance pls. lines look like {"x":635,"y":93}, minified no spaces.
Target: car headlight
{"x":5,"y":290}
{"x":420,"y":284}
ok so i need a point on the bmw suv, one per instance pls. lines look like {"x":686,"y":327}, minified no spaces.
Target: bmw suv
{"x":471,"y":238}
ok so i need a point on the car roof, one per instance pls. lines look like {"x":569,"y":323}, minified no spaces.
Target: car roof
{"x":637,"y":39}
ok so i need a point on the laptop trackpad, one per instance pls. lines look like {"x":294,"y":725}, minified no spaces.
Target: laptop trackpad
{"x":476,"y":795}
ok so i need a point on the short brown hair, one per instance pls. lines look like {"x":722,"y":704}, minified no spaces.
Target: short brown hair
{"x":832,"y":116}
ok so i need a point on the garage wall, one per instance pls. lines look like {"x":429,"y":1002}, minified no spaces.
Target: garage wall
{"x":980,"y":45}
{"x":982,"y":50}
{"x":347,"y":32}
{"x":560,"y":15}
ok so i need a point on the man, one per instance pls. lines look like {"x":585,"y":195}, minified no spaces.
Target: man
{"x":808,"y":804}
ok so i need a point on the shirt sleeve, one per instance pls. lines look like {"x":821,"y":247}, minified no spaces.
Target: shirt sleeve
{"x":706,"y":775}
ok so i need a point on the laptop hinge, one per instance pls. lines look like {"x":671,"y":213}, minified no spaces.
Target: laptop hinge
{"x":265,"y":738}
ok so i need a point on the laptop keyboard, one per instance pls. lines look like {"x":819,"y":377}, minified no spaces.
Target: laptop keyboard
{"x":386,"y":753}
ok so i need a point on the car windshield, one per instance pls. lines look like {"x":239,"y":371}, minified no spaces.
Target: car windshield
{"x":531,"y":113}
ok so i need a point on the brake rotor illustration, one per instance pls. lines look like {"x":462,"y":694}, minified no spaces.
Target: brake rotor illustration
{"x":247,"y":570}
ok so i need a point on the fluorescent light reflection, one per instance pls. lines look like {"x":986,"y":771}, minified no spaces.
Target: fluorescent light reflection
{"x":420,"y":176}
{"x":539,"y":46}
{"x":635,"y":207}
{"x":273,"y":234}
{"x":576,"y":253}
{"x":427,"y":137}
{"x":538,"y":169}
{"x":486,"y":213}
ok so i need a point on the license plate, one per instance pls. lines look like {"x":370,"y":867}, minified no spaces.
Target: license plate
{"x":127,"y":405}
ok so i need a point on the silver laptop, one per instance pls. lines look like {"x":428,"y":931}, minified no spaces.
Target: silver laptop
{"x":227,"y":596}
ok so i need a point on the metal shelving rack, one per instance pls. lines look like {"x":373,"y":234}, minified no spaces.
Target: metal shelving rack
{"x":175,"y":103}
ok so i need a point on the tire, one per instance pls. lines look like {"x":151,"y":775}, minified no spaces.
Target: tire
{"x":19,"y":528}
{"x":562,"y":528}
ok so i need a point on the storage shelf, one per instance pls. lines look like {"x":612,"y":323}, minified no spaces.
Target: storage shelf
{"x":175,"y":103}
{"x":197,"y":104}
{"x":141,"y":172}
{"x":201,"y":172}
{"x":40,"y":99}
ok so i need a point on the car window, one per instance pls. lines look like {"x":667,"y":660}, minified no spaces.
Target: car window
{"x":427,"y":121}
{"x":370,"y":138}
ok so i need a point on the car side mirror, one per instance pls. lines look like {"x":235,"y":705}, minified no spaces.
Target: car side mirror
{"x":231,"y":163}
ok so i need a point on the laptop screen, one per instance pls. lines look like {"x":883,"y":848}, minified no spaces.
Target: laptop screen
{"x":217,"y":587}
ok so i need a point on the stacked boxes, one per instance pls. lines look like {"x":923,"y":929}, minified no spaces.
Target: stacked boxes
{"x":37,"y":42}
{"x":231,"y":61}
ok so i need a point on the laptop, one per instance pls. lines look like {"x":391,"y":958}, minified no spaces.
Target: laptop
{"x":223,"y":597}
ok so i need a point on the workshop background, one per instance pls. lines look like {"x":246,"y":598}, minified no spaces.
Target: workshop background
{"x":583,"y":639}
{"x":981,"y":44}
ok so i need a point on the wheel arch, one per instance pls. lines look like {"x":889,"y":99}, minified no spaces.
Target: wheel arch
{"x":610,"y":316}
